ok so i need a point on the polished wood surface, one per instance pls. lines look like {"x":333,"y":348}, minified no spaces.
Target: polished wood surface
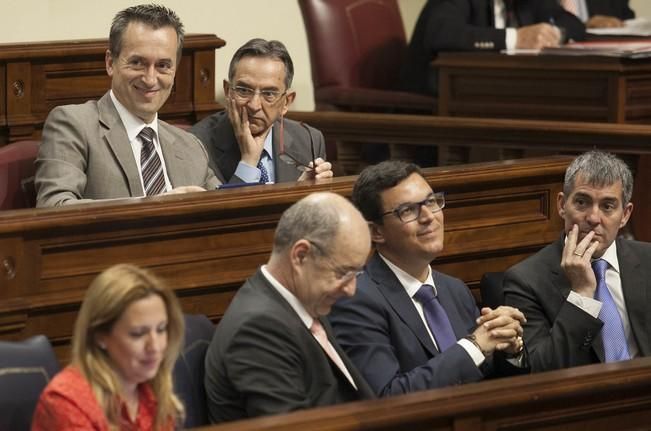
{"x":602,"y":397}
{"x":552,"y":87}
{"x":36,"y":77}
{"x":207,"y":244}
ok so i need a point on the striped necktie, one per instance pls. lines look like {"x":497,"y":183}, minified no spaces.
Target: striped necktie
{"x":153,"y":180}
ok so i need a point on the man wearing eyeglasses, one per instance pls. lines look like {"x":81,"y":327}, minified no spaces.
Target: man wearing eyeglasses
{"x":273,"y":351}
{"x":252,"y":141}
{"x":409,"y":327}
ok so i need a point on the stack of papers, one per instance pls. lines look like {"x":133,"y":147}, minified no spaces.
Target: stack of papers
{"x":626,"y":49}
{"x":632,"y":27}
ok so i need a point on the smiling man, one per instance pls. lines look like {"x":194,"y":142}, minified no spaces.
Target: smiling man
{"x":272,"y":351}
{"x":116,"y":147}
{"x":586,"y":296}
{"x":409,"y":327}
{"x":252,"y":141}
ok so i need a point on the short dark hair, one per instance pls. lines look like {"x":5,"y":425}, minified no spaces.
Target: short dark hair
{"x":154,"y":15}
{"x":273,"y":49}
{"x":599,"y":169}
{"x":375,"y":179}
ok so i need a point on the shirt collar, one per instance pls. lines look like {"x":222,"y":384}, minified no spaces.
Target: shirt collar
{"x":289,"y":297}
{"x":268,"y":143}
{"x":132,"y":124}
{"x":410,"y":283}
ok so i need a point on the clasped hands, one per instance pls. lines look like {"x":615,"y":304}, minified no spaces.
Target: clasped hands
{"x":500,"y":330}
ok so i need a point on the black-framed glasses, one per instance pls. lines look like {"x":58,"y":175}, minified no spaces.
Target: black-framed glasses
{"x":341,"y":275}
{"x":288,"y":158}
{"x":408,"y":212}
{"x":267,"y":95}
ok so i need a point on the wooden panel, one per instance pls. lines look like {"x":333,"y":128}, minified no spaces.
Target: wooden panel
{"x":207,"y":244}
{"x":42,"y":75}
{"x":602,"y":397}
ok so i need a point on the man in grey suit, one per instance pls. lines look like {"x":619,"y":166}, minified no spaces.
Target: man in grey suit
{"x":116,"y":147}
{"x":587,"y":295}
{"x":411,"y":328}
{"x":273,"y":352}
{"x":252,"y":141}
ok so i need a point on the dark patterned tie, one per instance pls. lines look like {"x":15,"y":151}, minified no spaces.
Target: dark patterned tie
{"x":436,"y":317}
{"x":264,"y":175}
{"x":153,"y":179}
{"x":612,"y":333}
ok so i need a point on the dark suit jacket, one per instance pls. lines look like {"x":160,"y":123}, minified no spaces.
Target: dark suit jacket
{"x":616,"y":8}
{"x":467,"y":25}
{"x":216,"y":133}
{"x":263,"y":360}
{"x":85,"y":154}
{"x":559,"y":334}
{"x":385,"y":337}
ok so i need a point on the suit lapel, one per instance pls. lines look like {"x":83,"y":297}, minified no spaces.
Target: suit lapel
{"x":118,"y":141}
{"x":449,"y":305}
{"x":397,"y":297}
{"x":173,"y":156}
{"x":285,"y":172}
{"x":635,"y":295}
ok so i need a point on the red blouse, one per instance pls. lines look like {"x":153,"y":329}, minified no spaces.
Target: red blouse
{"x":68,"y":403}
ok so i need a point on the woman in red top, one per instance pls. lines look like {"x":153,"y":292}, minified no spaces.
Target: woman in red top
{"x":127,"y":337}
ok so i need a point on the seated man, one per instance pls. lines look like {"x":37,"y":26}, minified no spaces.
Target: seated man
{"x":480,"y":25}
{"x":116,"y":147}
{"x":273,"y":352}
{"x":408,"y":327}
{"x":585,"y":295}
{"x":600,"y":13}
{"x":251,"y":141}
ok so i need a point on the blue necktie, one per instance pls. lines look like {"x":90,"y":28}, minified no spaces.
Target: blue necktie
{"x":612,"y":333}
{"x":264,"y":175}
{"x":436,"y":317}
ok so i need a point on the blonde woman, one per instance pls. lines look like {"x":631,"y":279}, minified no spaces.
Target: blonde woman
{"x":127,"y":337}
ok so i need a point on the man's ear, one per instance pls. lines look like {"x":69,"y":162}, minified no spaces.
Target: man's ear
{"x":108,"y":60}
{"x":227,"y":88}
{"x":628,"y":210}
{"x":289,"y":99}
{"x":299,"y":251}
{"x":560,"y":204}
{"x":377,"y":232}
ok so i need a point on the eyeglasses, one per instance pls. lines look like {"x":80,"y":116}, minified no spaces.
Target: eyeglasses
{"x":288,"y":158}
{"x":408,"y":212}
{"x":341,"y":275}
{"x":247,"y":93}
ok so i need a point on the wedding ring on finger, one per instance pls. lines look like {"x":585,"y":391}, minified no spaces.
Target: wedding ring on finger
{"x":577,"y":254}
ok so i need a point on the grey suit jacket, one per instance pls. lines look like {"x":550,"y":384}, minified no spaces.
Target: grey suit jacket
{"x":263,"y":360}
{"x":216,"y":133}
{"x":85,"y":154}
{"x":559,"y":334}
{"x":382,"y":333}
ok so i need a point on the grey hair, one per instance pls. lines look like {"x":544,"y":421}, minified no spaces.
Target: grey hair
{"x":153,"y":15}
{"x":599,"y":169}
{"x":262,"y":48}
{"x":308,"y":219}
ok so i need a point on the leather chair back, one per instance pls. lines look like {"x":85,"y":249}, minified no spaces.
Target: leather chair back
{"x":189,"y":369}
{"x":25,"y":369}
{"x":17,"y":175}
{"x":354,"y":43}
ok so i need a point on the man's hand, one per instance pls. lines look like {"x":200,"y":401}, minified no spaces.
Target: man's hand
{"x":604,"y":21}
{"x":575,"y":262}
{"x":323,"y":170}
{"x":185,"y":189}
{"x":250,"y":147}
{"x":538,"y":36}
{"x":500,"y":329}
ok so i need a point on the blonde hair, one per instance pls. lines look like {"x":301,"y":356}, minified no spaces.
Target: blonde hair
{"x":104,"y":303}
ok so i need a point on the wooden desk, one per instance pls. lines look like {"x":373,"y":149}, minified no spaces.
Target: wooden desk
{"x":544,"y":87}
{"x":36,"y":77}
{"x":602,"y":397}
{"x":207,"y":244}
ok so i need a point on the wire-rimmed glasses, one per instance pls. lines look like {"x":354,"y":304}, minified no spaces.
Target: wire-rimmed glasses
{"x":288,"y":158}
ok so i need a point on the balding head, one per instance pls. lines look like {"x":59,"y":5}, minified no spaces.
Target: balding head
{"x":321,"y":242}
